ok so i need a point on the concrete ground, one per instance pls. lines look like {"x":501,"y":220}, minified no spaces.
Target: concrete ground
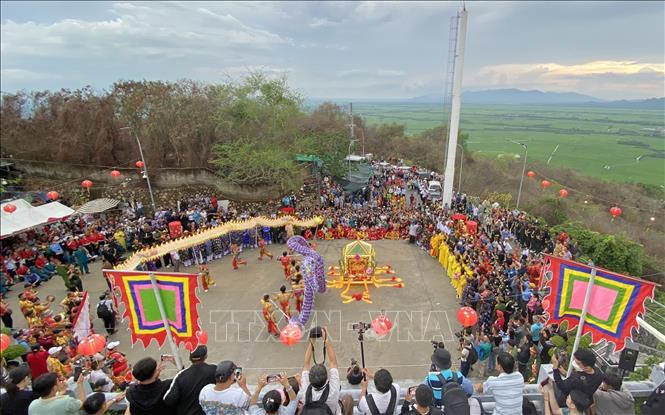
{"x":423,"y":310}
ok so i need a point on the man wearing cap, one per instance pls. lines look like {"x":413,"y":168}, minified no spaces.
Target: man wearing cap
{"x":97,"y":375}
{"x":183,"y":394}
{"x":37,"y":360}
{"x":221,"y":398}
{"x":55,"y":365}
{"x":441,"y":360}
{"x":120,"y":365}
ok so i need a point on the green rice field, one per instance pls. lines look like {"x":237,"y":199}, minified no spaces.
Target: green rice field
{"x":625,"y":145}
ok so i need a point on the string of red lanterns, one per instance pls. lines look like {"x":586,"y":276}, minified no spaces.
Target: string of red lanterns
{"x":615,"y":211}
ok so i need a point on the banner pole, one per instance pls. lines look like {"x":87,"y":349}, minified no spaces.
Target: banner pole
{"x":580,"y":326}
{"x":167,"y":326}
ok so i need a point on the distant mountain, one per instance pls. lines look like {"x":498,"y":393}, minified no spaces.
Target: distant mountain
{"x":644,"y":104}
{"x":512,"y":96}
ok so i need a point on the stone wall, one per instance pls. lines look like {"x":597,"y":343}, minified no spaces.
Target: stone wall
{"x":159,"y":178}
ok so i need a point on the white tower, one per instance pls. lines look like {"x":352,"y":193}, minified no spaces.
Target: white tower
{"x":453,"y":128}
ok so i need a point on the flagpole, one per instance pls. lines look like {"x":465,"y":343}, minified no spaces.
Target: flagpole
{"x":167,"y":326}
{"x":580,"y":326}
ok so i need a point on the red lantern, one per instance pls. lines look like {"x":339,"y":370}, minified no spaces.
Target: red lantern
{"x":115,"y":173}
{"x":86,"y":348}
{"x":202,"y":337}
{"x":140,"y":164}
{"x":545,"y":184}
{"x":86,"y":183}
{"x":98,"y":342}
{"x":382,"y":325}
{"x":615,"y":211}
{"x":5,"y":341}
{"x":467,"y":316}
{"x":530,"y":173}
{"x":9,"y":208}
{"x":53,"y":195}
{"x":291,"y":334}
{"x":563,"y":193}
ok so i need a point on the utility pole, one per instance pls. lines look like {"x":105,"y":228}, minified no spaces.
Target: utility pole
{"x":145,"y":168}
{"x":449,"y":174}
{"x":526,"y":151}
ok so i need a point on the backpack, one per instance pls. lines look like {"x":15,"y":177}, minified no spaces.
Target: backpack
{"x":453,"y":397}
{"x":528,"y":407}
{"x":472,"y":358}
{"x":655,"y":403}
{"x":316,"y":407}
{"x":391,"y":406}
{"x":103,"y":311}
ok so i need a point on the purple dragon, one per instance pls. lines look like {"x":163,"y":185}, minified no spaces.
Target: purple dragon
{"x":313,"y":274}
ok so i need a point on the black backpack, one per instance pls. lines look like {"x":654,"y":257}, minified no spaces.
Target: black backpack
{"x":103,"y":311}
{"x":453,"y":397}
{"x":528,"y":407}
{"x":391,"y":406}
{"x":472,"y":358}
{"x":316,"y":407}
{"x":655,"y":403}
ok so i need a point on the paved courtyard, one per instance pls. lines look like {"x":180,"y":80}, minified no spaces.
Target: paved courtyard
{"x":423,"y":310}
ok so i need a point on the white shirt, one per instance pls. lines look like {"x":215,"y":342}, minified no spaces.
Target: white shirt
{"x":289,"y":409}
{"x":381,"y":400}
{"x":333,"y":393}
{"x":211,"y":399}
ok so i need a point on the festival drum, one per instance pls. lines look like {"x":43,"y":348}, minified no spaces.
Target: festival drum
{"x":175,"y":229}
{"x":472,"y":227}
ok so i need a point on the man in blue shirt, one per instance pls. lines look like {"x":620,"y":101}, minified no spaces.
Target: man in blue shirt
{"x":536,"y":327}
{"x":441,"y":360}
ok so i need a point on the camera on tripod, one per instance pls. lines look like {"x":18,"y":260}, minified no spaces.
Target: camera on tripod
{"x":438,"y":345}
{"x":361,"y":327}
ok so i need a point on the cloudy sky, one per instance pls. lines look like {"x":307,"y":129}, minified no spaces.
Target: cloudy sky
{"x":611,"y":50}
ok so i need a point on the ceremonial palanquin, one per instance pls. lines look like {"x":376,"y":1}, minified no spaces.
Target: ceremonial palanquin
{"x":178,"y":294}
{"x":357,"y":267}
{"x":615,"y":302}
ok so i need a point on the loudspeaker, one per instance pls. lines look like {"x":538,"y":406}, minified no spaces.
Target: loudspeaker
{"x":628,"y":359}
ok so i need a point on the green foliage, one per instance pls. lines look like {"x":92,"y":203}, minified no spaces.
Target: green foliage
{"x":504,"y":199}
{"x":330,"y":147}
{"x":246,"y":162}
{"x":13,"y":351}
{"x":551,"y":209}
{"x":614,"y":252}
{"x":644,"y":372}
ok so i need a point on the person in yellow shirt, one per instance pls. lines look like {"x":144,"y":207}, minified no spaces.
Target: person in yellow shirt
{"x":54,"y":364}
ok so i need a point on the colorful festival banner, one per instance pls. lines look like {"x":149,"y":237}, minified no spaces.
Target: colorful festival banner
{"x":81,"y":323}
{"x":616,"y":300}
{"x":203,"y":235}
{"x":178,"y":293}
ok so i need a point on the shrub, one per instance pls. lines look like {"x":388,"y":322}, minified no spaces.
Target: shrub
{"x":13,"y":351}
{"x":552,"y":210}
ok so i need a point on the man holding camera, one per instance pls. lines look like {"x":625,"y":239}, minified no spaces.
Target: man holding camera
{"x":220,"y":397}
{"x":384,"y":401}
{"x":322,"y":386}
{"x":188,"y":383}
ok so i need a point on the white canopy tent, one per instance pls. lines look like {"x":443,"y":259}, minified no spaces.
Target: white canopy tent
{"x":27,"y":217}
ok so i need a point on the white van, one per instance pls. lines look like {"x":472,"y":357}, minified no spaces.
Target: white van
{"x":434,"y":189}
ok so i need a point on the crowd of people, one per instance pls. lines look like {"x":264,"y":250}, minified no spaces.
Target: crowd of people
{"x":493,"y":256}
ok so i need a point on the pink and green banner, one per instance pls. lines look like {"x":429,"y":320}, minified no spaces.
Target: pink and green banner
{"x":178,"y":293}
{"x":616,"y":300}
